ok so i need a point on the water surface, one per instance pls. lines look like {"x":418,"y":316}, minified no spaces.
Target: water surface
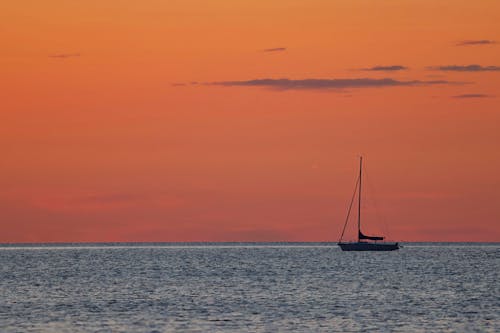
{"x":238,"y":287}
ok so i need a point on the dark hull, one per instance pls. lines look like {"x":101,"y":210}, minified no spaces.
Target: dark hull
{"x":361,"y":246}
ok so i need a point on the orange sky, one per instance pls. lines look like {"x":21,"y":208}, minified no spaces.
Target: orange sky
{"x":104,"y":137}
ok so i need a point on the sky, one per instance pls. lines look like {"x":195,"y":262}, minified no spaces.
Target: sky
{"x":222,"y":120}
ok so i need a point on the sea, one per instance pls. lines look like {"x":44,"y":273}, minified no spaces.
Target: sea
{"x":248,"y":287}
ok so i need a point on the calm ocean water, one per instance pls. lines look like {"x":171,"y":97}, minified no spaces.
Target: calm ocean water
{"x":248,"y":288}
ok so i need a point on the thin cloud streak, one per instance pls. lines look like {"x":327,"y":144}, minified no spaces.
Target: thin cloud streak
{"x":472,"y":96}
{"x":385,"y":68}
{"x":65,"y":55}
{"x":476,"y":42}
{"x":275,"y":49}
{"x":465,"y":68}
{"x":322,"y":84}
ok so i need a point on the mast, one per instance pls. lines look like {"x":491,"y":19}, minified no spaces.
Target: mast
{"x":359,"y":196}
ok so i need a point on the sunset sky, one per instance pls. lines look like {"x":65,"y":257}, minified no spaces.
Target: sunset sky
{"x":223,"y":120}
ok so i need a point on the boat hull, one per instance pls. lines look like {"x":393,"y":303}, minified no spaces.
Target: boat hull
{"x":364,"y":246}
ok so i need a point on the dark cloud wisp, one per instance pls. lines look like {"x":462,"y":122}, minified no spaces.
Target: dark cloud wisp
{"x":476,"y":42}
{"x":322,"y":84}
{"x":465,"y":68}
{"x":275,"y":49}
{"x":65,"y":55}
{"x":472,"y":96}
{"x":385,"y":68}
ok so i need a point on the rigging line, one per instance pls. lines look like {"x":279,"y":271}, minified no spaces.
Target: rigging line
{"x":350,"y":207}
{"x":379,"y":210}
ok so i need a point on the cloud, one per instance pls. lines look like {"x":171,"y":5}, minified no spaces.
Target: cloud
{"x":79,"y":201}
{"x":465,"y":68}
{"x":65,"y":55}
{"x":385,"y":68}
{"x":275,"y":49}
{"x":262,"y":235}
{"x":476,"y":42}
{"x":184,"y":84}
{"x":320,"y":84}
{"x":74,"y":202}
{"x":472,"y":96}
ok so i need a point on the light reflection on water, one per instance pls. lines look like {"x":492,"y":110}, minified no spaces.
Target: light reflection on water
{"x":248,"y":287}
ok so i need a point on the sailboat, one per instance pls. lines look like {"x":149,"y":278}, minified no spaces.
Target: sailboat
{"x":363,"y":243}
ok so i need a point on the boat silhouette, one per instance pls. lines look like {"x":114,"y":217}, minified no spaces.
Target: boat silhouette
{"x":365,"y":242}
